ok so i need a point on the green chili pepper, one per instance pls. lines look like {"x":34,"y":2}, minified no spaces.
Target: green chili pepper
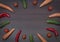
{"x":31,"y":38}
{"x":53,"y":22}
{"x":24,"y":3}
{"x":4,"y":24}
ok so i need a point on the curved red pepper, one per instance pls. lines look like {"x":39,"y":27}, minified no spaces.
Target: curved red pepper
{"x":53,"y":30}
{"x":17,"y":36}
{"x":4,"y":15}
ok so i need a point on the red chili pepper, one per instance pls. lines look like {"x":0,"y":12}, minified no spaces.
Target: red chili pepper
{"x":53,"y":30}
{"x":4,"y":15}
{"x":17,"y":36}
